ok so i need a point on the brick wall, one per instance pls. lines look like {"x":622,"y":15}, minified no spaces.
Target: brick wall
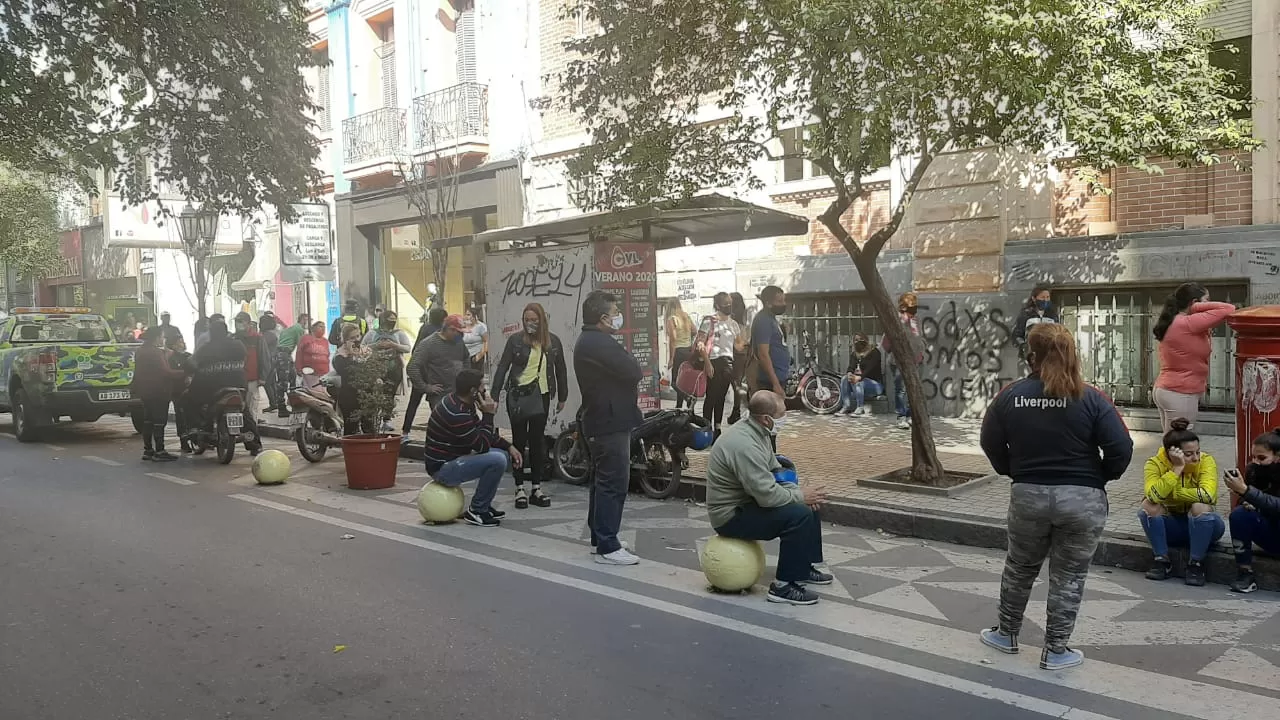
{"x":867,"y":214}
{"x":1216,"y":196}
{"x":553,"y":30}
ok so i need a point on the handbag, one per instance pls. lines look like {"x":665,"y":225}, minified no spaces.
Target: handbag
{"x":525,"y":401}
{"x":692,"y":381}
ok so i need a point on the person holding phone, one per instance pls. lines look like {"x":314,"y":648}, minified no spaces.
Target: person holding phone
{"x":1180,"y":488}
{"x":1256,"y":520}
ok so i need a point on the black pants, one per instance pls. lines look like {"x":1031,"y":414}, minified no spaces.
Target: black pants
{"x":180,"y":422}
{"x":610,"y":476}
{"x":530,"y":438}
{"x":797,"y":526}
{"x":680,"y":357}
{"x":155,"y":416}
{"x":717,"y":390}
{"x":411,"y":410}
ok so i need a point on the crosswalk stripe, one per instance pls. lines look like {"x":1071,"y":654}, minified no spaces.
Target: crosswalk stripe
{"x":171,"y":478}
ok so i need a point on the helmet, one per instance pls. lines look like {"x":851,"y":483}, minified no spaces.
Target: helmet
{"x":702,"y":439}
{"x":786,"y":476}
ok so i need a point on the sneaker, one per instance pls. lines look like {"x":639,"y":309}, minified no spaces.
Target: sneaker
{"x":1060,"y":659}
{"x":621,"y":556}
{"x":496,"y":513}
{"x":791,"y":594}
{"x":522,"y":500}
{"x":404,"y":438}
{"x":625,"y":546}
{"x":993,"y":638}
{"x":539,"y":498}
{"x":904,"y":423}
{"x":186,"y":447}
{"x":164,"y":456}
{"x":1195,"y":574}
{"x":1244,"y":582}
{"x":148,"y":455}
{"x":1160,"y":569}
{"x":817,"y":577}
{"x":487,"y":519}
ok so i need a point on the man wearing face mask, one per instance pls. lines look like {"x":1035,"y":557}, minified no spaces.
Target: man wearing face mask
{"x":772,"y":359}
{"x":744,"y":500}
{"x":609,"y":378}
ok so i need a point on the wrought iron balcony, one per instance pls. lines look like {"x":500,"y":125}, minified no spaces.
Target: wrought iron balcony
{"x":373,"y":135}
{"x":444,"y":117}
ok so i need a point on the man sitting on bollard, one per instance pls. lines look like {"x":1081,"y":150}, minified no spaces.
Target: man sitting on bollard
{"x":745,"y":501}
{"x":462,"y":446}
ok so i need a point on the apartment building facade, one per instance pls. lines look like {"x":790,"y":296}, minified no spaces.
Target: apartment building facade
{"x":985,"y":228}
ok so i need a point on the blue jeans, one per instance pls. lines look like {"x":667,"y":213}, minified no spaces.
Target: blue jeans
{"x":1249,"y":528}
{"x":487,"y":468}
{"x":797,"y":526}
{"x":610,"y":476}
{"x":854,"y":395}
{"x":1194,"y":533}
{"x":900,"y":395}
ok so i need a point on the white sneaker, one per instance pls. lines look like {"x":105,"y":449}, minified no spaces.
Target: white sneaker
{"x":621,"y":556}
{"x":904,"y":423}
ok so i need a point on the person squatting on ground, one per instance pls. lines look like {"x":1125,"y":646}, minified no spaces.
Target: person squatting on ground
{"x":433,"y":367}
{"x":679,"y":329}
{"x":1179,"y":490}
{"x":1183,"y":331}
{"x":719,"y":338}
{"x":745,"y":501}
{"x":608,"y":379}
{"x":863,"y":379}
{"x":1256,"y":520}
{"x":153,"y":381}
{"x":1061,"y":442}
{"x":462,"y":445}
{"x":531,"y":370}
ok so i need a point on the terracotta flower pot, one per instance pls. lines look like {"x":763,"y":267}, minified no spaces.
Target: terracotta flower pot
{"x":371,"y":460}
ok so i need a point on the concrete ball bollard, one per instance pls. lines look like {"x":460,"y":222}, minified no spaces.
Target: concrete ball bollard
{"x":271,"y":467}
{"x":732,"y":565}
{"x":440,"y":504}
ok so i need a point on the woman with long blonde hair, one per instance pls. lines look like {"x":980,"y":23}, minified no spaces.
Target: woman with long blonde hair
{"x":679,"y":329}
{"x":531,"y":370}
{"x":1060,"y":441}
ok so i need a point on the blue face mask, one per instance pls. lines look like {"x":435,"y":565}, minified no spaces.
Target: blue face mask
{"x":1043,"y":305}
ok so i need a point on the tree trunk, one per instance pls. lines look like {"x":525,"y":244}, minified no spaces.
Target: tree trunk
{"x":925,"y":466}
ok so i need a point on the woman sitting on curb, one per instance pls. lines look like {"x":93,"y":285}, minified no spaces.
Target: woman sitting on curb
{"x":1180,"y":489}
{"x":1256,"y":521}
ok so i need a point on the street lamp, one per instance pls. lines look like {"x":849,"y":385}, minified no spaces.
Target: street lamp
{"x":199,"y":230}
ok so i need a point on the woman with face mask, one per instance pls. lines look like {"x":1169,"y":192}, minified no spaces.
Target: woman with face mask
{"x":1256,"y":520}
{"x":1180,"y":488}
{"x":865,"y":377}
{"x":531,"y":370}
{"x":1038,"y":309}
{"x":313,"y":352}
{"x":719,"y":338}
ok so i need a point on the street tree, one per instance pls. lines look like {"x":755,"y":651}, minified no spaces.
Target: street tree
{"x":28,"y":223}
{"x":1107,"y":82}
{"x":431,"y":180}
{"x":206,"y":98}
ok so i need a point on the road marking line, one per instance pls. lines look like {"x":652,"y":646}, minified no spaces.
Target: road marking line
{"x":171,"y":478}
{"x":1118,"y":682}
{"x":102,"y":460}
{"x":9,"y":435}
{"x":853,"y":657}
{"x":56,"y":448}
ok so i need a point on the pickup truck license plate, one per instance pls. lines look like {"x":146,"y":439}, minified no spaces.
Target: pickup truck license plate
{"x":235,"y":421}
{"x":114,"y":395}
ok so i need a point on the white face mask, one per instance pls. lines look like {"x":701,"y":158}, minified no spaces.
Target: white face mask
{"x":778,"y":423}
{"x":617,"y":322}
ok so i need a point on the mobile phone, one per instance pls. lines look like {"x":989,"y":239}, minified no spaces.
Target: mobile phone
{"x":1233,"y":472}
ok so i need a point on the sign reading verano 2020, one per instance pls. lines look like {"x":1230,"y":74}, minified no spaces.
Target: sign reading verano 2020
{"x":306,"y":240}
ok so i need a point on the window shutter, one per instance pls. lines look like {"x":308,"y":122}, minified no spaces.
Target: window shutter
{"x":389,"y":97}
{"x":1232,"y":19}
{"x":465,"y":38}
{"x":322,"y":97}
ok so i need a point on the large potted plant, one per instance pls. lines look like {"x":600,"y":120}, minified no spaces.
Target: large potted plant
{"x":371,"y":458}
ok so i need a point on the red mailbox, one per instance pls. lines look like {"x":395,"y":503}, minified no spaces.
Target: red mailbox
{"x":1257,"y":375}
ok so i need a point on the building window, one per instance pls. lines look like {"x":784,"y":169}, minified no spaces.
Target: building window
{"x":1236,"y":55}
{"x":1119,"y":354}
{"x":386,"y":53}
{"x":796,"y":168}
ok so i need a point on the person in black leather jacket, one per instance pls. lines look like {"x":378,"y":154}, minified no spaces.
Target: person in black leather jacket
{"x":1256,"y":520}
{"x":534,"y":360}
{"x":219,"y":364}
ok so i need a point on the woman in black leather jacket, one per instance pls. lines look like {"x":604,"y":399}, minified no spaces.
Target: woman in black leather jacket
{"x":532,"y":369}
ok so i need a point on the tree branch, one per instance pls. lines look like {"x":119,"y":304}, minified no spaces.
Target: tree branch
{"x":881,"y":237}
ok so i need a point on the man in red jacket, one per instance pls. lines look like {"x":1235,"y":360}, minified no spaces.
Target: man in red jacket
{"x":153,"y":381}
{"x":257,"y":358}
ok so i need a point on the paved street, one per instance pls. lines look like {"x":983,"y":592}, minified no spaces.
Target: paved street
{"x":185,"y":591}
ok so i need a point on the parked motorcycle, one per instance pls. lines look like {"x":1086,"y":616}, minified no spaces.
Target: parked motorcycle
{"x":316,"y":420}
{"x":229,"y":426}
{"x":658,"y":448}
{"x":816,"y":387}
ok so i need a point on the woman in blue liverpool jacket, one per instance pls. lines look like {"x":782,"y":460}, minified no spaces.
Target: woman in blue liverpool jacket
{"x":1061,"y":441}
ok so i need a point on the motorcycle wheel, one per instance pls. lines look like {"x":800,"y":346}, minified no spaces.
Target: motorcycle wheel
{"x":312,"y":451}
{"x":226,"y":443}
{"x":661,"y":477}
{"x":569,"y":458}
{"x":820,"y":394}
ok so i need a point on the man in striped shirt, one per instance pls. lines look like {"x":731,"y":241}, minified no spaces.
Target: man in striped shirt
{"x":462,"y":446}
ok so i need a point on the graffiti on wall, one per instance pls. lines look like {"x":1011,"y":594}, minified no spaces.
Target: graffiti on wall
{"x":969,"y":356}
{"x":548,"y":276}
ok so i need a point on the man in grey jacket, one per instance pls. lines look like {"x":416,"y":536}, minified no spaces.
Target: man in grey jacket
{"x":745,"y":500}
{"x":436,"y":361}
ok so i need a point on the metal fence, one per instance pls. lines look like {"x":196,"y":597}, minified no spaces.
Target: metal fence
{"x":373,"y":135}
{"x":831,"y":321}
{"x":446,"y":115}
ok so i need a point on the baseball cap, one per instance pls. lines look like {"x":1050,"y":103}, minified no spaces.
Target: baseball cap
{"x":454,"y":322}
{"x":243,"y":316}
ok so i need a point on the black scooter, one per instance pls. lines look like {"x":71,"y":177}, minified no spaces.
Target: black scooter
{"x":658,"y":448}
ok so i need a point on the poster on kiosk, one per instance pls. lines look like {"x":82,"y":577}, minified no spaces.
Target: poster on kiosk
{"x":559,"y":279}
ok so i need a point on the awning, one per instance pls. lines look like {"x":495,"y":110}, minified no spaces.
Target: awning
{"x":266,"y":263}
{"x":702,"y":220}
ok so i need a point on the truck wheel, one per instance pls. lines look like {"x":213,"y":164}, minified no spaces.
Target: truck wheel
{"x":25,"y":427}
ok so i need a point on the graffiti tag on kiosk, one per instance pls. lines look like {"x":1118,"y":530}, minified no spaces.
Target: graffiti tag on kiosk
{"x":549,"y":277}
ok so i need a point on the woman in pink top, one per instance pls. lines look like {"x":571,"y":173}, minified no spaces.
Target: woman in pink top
{"x":1183,"y":330}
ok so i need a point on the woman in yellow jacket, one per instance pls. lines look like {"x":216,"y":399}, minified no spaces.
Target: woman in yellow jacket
{"x":1180,"y":489}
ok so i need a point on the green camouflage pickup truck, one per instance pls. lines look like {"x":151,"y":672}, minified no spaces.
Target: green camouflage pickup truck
{"x":60,"y":362}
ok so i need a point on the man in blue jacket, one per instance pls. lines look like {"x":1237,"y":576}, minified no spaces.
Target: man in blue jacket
{"x":609,"y":378}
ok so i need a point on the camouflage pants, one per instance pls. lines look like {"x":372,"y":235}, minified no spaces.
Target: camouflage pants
{"x":1062,"y":523}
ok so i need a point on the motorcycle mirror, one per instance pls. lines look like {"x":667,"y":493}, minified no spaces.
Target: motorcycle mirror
{"x":308,"y":371}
